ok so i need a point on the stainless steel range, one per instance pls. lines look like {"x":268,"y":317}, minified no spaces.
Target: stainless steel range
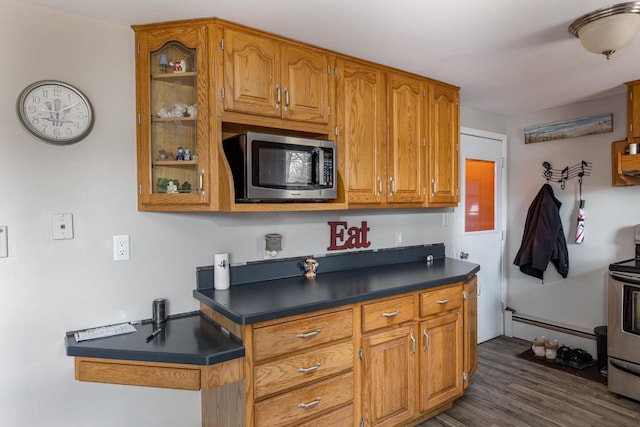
{"x":623,"y":341}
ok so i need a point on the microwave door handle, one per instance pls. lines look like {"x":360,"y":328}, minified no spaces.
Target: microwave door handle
{"x":321,"y":180}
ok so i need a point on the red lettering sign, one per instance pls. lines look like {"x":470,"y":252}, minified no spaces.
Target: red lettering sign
{"x":355,"y":237}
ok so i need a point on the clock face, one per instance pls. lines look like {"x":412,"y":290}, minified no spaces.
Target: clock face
{"x":55,"y":112}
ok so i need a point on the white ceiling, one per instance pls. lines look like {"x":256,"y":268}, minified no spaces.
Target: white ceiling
{"x":508,"y":56}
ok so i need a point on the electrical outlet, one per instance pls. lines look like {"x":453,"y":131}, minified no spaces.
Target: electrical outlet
{"x":121,"y":247}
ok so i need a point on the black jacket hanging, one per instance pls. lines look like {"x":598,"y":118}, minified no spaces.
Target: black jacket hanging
{"x":543,"y":239}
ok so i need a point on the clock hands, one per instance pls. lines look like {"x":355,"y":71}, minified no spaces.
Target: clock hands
{"x":69,"y":106}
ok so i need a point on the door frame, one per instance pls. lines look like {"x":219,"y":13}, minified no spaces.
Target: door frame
{"x":503,"y":211}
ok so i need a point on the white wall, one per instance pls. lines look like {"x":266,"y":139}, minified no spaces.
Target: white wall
{"x":611,"y":213}
{"x":482,"y":120}
{"x":49,"y":287}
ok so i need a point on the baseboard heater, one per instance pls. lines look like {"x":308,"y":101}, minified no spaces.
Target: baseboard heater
{"x":554,"y":327}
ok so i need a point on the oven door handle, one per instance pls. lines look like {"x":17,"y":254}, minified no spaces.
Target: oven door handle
{"x":625,"y":277}
{"x":624,"y":368}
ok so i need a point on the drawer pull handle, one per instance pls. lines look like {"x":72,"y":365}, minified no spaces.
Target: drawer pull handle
{"x":309,"y":334}
{"x":393,"y":313}
{"x":443,"y":301}
{"x":309,"y":369}
{"x":310,"y":404}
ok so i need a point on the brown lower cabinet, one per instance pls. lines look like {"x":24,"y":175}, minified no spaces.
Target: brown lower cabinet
{"x":386,"y":362}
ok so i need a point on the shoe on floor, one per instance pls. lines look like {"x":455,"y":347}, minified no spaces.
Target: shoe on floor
{"x":580,"y":359}
{"x":551,"y":349}
{"x":563,"y":355}
{"x":538,"y":347}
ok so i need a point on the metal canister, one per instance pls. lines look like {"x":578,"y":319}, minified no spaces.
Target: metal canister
{"x":159,"y":311}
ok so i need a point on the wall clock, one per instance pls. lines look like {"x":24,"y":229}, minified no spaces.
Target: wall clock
{"x":55,"y":112}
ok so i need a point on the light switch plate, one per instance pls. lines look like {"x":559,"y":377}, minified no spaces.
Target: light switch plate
{"x":4,"y":242}
{"x":62,"y":226}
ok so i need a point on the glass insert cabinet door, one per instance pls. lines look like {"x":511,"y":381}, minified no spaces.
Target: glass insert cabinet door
{"x":172,"y":138}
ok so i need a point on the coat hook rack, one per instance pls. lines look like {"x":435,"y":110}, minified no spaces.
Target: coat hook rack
{"x":579,"y":170}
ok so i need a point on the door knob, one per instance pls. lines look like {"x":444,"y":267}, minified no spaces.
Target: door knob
{"x":464,"y":255}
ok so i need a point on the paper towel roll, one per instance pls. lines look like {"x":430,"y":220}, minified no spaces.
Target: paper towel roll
{"x":221,"y":271}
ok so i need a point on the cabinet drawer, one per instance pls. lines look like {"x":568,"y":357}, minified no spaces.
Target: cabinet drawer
{"x":440,"y":300}
{"x":388,"y":312}
{"x":342,"y":417}
{"x":314,"y":364}
{"x":298,"y":405}
{"x":275,"y":340}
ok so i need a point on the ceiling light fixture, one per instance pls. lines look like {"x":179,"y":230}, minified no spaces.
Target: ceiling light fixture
{"x":609,"y":29}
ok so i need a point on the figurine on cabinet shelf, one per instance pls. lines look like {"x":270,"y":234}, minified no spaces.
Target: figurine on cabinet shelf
{"x":187,"y":154}
{"x":186,"y":186}
{"x":162,"y":155}
{"x":164,"y":63}
{"x":180,"y":65}
{"x":192,"y":110}
{"x":172,"y":187}
{"x":310,"y":266}
{"x":180,"y":155}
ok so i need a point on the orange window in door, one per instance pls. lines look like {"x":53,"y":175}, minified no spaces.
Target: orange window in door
{"x":479,"y":195}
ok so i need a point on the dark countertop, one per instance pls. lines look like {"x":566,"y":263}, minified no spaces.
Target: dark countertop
{"x":189,"y":338}
{"x":273,"y":299}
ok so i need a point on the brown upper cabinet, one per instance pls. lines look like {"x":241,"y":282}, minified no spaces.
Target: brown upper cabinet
{"x":633,"y":111}
{"x":362,"y":123}
{"x":443,"y":146}
{"x":268,"y":77}
{"x":405,"y":162}
{"x":397,"y":132}
{"x":173,"y":150}
{"x":625,"y":167}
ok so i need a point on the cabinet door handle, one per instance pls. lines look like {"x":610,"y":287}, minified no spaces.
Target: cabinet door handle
{"x":310,"y":404}
{"x":443,"y":301}
{"x":434,"y":187}
{"x":309,"y":334}
{"x":201,"y":178}
{"x":393,"y":186}
{"x":413,"y":343}
{"x":426,"y":340}
{"x":286,"y":99}
{"x":379,"y":186}
{"x":278,"y":96}
{"x":309,"y":369}
{"x":393,"y":313}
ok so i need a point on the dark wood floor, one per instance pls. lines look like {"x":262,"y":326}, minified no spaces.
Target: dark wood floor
{"x":507,"y":391}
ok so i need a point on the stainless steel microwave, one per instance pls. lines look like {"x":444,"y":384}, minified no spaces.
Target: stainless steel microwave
{"x":279,"y":168}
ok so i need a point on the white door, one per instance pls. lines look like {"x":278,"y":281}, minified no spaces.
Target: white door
{"x":479,"y":223}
